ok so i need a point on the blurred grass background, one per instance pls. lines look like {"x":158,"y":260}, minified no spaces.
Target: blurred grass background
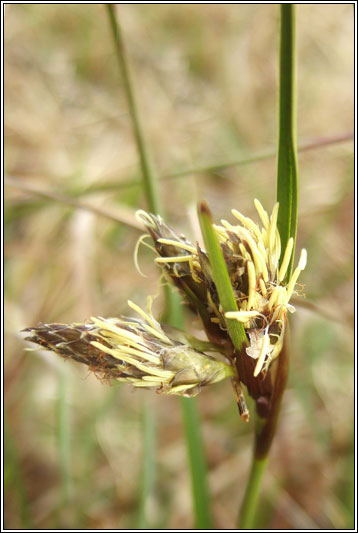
{"x":206,"y":80}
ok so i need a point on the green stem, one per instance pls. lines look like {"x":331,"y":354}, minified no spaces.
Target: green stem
{"x":197,"y":463}
{"x":149,"y":176}
{"x":148,"y":465}
{"x":64,"y":436}
{"x":249,"y":504}
{"x":172,"y":312}
{"x":287,"y":149}
{"x":287,"y":178}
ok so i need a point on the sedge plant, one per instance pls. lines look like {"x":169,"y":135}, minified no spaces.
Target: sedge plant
{"x":239,"y":285}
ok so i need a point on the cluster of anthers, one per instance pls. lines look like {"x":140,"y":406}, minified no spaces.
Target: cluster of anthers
{"x":139,"y":351}
{"x":252,"y":256}
{"x":133,"y":350}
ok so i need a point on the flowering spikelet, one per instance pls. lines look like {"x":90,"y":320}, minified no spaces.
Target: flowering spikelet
{"x":133,"y":350}
{"x":259,"y":283}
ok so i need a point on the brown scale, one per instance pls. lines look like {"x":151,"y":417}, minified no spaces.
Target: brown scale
{"x":73,"y":341}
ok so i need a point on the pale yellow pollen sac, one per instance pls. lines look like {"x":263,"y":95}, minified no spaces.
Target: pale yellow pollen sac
{"x":153,"y":326}
{"x":265,"y":344}
{"x":115,"y":353}
{"x":273,"y":297}
{"x":252,"y":284}
{"x":247,"y":222}
{"x":301,"y":266}
{"x":286,"y":259}
{"x":143,"y":314}
{"x":262,"y":213}
{"x":272,"y":234}
{"x":263,"y":287}
{"x":256,"y":256}
{"x":221,"y":232}
{"x":175,"y":259}
{"x":105,"y":326}
{"x":242,"y":316}
{"x":245,"y":254}
{"x":179,"y":244}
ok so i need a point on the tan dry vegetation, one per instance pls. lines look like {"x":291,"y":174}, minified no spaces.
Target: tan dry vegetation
{"x":206,"y":80}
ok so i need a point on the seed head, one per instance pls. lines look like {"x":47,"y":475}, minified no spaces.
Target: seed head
{"x":133,"y":350}
{"x":261,"y":290}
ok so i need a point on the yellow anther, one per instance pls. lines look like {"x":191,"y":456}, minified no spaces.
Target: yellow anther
{"x":301,"y":266}
{"x":263,"y":353}
{"x":245,"y":254}
{"x":252,"y":284}
{"x":286,"y":259}
{"x":178,"y":244}
{"x":242,"y":316}
{"x":303,"y":259}
{"x":272,"y":230}
{"x":247,"y":222}
{"x":263,"y":287}
{"x":148,"y":318}
{"x":262,"y":213}
{"x":175,"y":259}
{"x":273,"y":297}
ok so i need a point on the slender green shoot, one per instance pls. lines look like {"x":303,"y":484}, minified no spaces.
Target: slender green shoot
{"x":221,"y":276}
{"x":149,"y":177}
{"x":152,"y":197}
{"x":13,"y":477}
{"x":173,"y":309}
{"x":252,"y":492}
{"x":287,"y":149}
{"x":287,"y":185}
{"x":148,"y":465}
{"x":64,"y":436}
{"x":197,"y":462}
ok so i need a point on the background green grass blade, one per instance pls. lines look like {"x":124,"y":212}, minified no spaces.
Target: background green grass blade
{"x":197,"y":463}
{"x":64,"y":436}
{"x":172,"y":314}
{"x":148,"y":464}
{"x":287,"y":151}
{"x":149,"y":176}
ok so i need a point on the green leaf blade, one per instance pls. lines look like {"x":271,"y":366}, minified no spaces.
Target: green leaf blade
{"x":221,"y":276}
{"x":287,"y":171}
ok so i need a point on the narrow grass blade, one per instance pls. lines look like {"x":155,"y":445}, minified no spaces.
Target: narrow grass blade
{"x":149,"y":177}
{"x":64,"y":436}
{"x":13,"y":478}
{"x":194,"y":442}
{"x":287,"y":150}
{"x":197,"y":462}
{"x":221,"y":276}
{"x":265,"y":429}
{"x":172,"y":313}
{"x":252,"y":492}
{"x":148,"y":465}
